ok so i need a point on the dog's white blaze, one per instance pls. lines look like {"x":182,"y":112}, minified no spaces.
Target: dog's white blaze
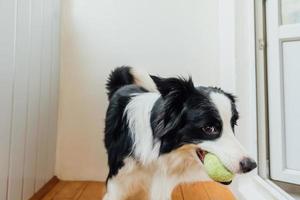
{"x":227,"y":147}
{"x":138,"y":113}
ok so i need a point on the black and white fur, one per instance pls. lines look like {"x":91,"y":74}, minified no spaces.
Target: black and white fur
{"x":156,"y":127}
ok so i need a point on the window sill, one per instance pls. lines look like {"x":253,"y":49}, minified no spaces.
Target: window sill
{"x":252,"y":186}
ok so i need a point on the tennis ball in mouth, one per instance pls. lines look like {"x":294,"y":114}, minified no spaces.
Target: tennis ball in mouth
{"x":216,"y":170}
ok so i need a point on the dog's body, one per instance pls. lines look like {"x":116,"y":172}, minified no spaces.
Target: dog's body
{"x":159,"y":129}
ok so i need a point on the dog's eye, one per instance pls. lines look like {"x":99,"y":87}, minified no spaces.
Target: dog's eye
{"x":210,"y":130}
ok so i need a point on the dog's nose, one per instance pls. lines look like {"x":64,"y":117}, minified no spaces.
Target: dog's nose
{"x":247,"y":164}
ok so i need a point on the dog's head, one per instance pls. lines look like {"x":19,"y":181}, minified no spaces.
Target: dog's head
{"x":204,"y":116}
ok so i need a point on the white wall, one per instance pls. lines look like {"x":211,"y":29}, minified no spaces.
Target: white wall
{"x":170,"y":37}
{"x":245,"y":74}
{"x":237,"y":64}
{"x":29,"y":73}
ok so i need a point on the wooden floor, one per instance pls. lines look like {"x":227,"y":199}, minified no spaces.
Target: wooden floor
{"x":95,"y":190}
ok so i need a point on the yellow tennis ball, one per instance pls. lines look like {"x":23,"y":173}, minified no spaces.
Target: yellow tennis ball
{"x":216,"y":170}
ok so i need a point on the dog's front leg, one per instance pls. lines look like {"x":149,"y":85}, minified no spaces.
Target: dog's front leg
{"x":127,"y":182}
{"x":114,"y":190}
{"x":162,"y":187}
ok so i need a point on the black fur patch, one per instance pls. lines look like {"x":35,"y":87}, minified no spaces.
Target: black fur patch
{"x":118,"y":77}
{"x":179,"y":116}
{"x":117,"y":139}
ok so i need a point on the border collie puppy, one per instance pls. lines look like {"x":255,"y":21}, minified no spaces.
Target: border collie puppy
{"x":158,"y":131}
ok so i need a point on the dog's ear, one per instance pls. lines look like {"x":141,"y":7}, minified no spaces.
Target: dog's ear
{"x":176,"y":87}
{"x":175,"y":92}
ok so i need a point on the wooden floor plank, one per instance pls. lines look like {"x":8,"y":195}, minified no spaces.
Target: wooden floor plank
{"x":93,"y":191}
{"x":177,"y":193}
{"x":46,"y":189}
{"x":217,"y":191}
{"x":194,"y":191}
{"x":70,"y":191}
{"x":80,"y":191}
{"x":58,"y":187}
